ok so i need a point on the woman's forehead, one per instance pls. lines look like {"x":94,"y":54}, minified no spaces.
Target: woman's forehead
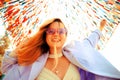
{"x":56,"y":25}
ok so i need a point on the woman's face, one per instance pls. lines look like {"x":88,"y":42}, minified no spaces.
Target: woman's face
{"x":56,"y":35}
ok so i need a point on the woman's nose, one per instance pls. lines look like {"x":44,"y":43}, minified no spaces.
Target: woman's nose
{"x":56,"y":33}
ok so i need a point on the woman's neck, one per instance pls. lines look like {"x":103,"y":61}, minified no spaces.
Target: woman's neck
{"x":58,"y":55}
{"x":57,"y":51}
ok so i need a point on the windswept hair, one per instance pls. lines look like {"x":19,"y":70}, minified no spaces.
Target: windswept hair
{"x":29,"y":51}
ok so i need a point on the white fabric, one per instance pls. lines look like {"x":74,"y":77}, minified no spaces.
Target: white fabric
{"x":71,"y":74}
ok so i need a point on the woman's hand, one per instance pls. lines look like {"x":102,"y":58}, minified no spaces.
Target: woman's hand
{"x":102,"y":24}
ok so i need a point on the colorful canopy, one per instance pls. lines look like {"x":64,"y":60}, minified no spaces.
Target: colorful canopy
{"x":21,"y":18}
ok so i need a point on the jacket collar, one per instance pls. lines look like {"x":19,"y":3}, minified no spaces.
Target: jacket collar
{"x":38,"y":66}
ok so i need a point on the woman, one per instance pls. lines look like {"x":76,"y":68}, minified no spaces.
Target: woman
{"x":46,"y":57}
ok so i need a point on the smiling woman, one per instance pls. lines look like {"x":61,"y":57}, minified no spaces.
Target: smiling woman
{"x":45,"y":50}
{"x":44,"y":56}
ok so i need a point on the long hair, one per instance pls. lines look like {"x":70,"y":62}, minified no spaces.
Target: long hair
{"x":29,"y":51}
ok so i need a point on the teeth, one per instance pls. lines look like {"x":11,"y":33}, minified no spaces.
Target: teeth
{"x":55,"y":40}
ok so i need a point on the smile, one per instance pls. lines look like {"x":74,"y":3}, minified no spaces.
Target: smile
{"x":55,"y":40}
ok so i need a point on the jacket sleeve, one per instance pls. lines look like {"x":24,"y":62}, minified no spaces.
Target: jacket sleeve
{"x":93,"y":39}
{"x":7,"y":62}
{"x":12,"y":70}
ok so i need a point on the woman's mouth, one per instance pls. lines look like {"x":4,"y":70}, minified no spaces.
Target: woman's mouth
{"x":55,"y":40}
